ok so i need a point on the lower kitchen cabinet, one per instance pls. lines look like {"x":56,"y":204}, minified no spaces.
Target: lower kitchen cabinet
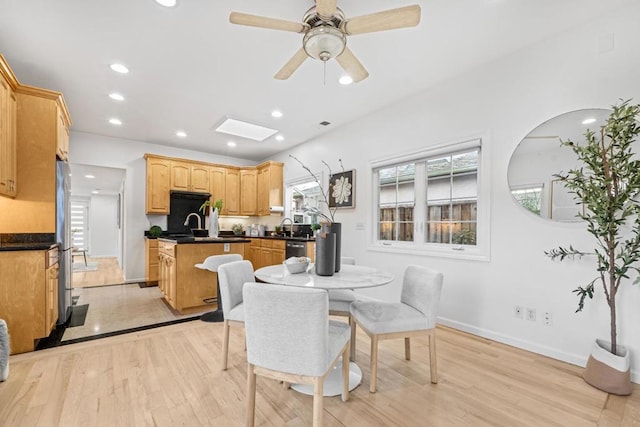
{"x":184,"y":286}
{"x":28,"y":296}
{"x":264,"y":252}
{"x":151,"y":260}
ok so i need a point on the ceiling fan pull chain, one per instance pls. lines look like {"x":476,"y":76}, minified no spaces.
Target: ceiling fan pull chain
{"x":324,"y":73}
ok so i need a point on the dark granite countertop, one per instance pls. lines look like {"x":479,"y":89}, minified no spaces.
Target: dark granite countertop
{"x":27,"y":241}
{"x":191,"y":239}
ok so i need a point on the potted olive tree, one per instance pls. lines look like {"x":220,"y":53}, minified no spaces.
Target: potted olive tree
{"x":607,"y":183}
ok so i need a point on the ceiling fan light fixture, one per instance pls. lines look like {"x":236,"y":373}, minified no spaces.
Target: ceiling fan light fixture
{"x":324,"y":42}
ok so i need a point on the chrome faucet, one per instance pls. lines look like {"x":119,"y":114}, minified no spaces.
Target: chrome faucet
{"x":186,"y":221}
{"x":291,"y":229}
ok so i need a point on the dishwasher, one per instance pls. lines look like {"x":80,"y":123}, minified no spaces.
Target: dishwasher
{"x":294,"y":249}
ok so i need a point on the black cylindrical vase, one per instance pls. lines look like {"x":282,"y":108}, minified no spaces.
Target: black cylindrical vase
{"x":325,"y":254}
{"x":336,"y":228}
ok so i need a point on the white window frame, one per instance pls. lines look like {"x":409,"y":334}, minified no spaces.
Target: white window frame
{"x":481,"y":250}
{"x":319,"y":176}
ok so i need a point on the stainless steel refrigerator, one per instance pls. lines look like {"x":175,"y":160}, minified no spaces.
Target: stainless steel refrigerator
{"x":63,"y":237}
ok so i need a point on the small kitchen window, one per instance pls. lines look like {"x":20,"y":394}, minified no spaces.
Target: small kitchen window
{"x":432,"y":202}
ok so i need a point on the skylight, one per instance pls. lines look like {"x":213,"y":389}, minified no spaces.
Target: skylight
{"x":245,"y":130}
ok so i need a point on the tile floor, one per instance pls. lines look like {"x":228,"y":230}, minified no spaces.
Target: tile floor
{"x":119,"y":307}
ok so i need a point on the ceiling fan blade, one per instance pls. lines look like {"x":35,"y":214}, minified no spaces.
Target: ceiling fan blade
{"x":292,"y":65}
{"x":264,"y":22}
{"x":326,"y":8}
{"x":391,"y":19}
{"x":351,"y":65}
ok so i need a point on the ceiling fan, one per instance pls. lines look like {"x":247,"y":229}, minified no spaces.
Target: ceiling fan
{"x":325,"y":30}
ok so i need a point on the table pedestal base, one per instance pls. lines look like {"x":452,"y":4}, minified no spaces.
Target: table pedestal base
{"x":333,"y":381}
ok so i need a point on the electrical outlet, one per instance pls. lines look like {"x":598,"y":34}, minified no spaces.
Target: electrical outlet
{"x":531,"y":314}
{"x":518,"y":311}
{"x":548,"y":318}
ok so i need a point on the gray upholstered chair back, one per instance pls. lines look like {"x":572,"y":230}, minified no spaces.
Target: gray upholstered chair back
{"x":421,"y":289}
{"x":231,"y":277}
{"x":287,"y":328}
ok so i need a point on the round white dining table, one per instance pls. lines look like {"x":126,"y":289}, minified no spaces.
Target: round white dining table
{"x":349,"y":277}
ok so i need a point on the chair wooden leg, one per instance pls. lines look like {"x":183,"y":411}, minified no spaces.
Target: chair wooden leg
{"x":432,"y":356}
{"x":286,"y":385}
{"x":407,"y":348}
{"x":251,"y":396}
{"x":352,"y":324}
{"x":345,"y":373}
{"x":318,"y":384}
{"x":225,"y":344}
{"x":374,"y":364}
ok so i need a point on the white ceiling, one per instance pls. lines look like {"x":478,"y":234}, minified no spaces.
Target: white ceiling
{"x":106,"y":181}
{"x":190,"y":67}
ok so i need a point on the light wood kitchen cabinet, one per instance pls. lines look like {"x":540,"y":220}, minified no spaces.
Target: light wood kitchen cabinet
{"x":232,"y":193}
{"x":249,"y":192}
{"x":158,"y":178}
{"x":270,"y":186}
{"x":180,"y":176}
{"x":33,"y":210}
{"x":264,"y":252}
{"x":151,"y":260}
{"x":28,"y":297}
{"x":184,"y":286}
{"x":8,"y":138}
{"x":200,"y":178}
{"x":62,"y":140}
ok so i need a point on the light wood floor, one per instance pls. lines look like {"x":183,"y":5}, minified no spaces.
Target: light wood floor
{"x":108,"y":273}
{"x":171,"y":376}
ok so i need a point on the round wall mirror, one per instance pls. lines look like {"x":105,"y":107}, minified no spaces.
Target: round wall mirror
{"x":539,"y":156}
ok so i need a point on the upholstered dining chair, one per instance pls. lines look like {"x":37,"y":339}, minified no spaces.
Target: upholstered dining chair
{"x":232,"y":277}
{"x":414,"y":315}
{"x":290,"y":338}
{"x":339,"y":302}
{"x":212,"y":263}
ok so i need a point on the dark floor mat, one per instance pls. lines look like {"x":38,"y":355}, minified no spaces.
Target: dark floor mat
{"x":148,"y":284}
{"x":78,"y":315}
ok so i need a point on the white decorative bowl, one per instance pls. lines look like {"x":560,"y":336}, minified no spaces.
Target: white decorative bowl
{"x":297,"y":264}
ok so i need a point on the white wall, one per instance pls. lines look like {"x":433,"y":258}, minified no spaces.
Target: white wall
{"x":98,"y":150}
{"x":501,"y":101}
{"x":104,"y":233}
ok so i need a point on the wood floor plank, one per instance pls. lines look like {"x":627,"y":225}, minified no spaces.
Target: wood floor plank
{"x":171,"y":376}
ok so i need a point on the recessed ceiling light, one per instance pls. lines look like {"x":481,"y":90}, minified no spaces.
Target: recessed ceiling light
{"x":116,"y":122}
{"x":345,"y":80}
{"x":95,"y":192}
{"x":119,"y":68}
{"x":588,"y":121}
{"x":166,"y":3}
{"x":116,"y":97}
{"x":231,"y":144}
{"x":279,"y":138}
{"x":89,"y":176}
{"x":181,"y":134}
{"x":245,"y":130}
{"x":276,"y":114}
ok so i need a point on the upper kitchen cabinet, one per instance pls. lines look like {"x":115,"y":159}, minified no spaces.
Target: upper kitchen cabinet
{"x":270,"y":187}
{"x":248,"y":192}
{"x":8,"y":133}
{"x":180,"y":176}
{"x":62,"y":140}
{"x":231,"y":204}
{"x":189,"y":176}
{"x":158,"y":178}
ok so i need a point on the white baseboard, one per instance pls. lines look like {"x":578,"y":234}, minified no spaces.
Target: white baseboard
{"x":574,"y":359}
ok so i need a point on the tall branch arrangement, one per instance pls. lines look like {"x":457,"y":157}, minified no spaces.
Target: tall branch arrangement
{"x":325,"y":194}
{"x":608,"y":184}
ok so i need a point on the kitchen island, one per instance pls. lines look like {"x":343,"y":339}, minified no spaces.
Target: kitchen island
{"x":184,"y":287}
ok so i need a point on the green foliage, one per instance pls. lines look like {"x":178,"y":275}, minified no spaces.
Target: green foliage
{"x":608,"y":185}
{"x":315,"y":226}
{"x":217,"y":204}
